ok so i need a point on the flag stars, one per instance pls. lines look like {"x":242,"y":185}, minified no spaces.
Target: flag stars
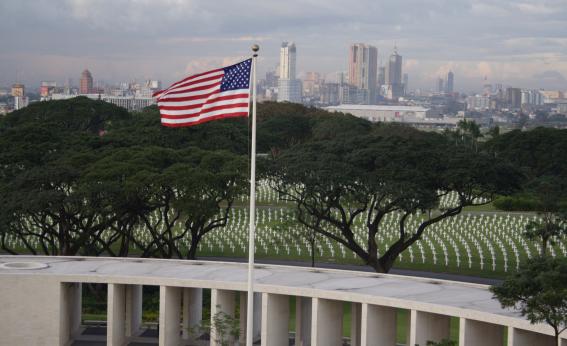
{"x":237,"y":76}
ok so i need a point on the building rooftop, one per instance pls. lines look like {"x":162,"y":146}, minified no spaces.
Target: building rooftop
{"x":347,"y":107}
{"x":384,"y":289}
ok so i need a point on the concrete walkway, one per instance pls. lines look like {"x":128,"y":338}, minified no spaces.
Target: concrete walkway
{"x":362,"y":268}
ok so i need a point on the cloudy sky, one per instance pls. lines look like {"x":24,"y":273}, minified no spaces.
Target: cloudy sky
{"x":521,"y":43}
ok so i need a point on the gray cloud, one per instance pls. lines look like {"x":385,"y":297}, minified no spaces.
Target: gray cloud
{"x":121,"y":39}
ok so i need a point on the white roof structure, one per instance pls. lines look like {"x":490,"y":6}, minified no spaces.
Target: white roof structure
{"x":41,"y":303}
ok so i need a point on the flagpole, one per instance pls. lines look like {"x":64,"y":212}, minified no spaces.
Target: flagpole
{"x":252,"y":232}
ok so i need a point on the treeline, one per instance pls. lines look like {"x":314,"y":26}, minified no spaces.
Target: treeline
{"x":77,"y":177}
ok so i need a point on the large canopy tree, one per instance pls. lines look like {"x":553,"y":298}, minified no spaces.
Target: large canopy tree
{"x":333,"y":182}
{"x":540,"y":155}
{"x":176,"y":196}
{"x":548,"y":196}
{"x":80,"y":176}
{"x":44,"y":150}
{"x":539,"y":291}
{"x":538,"y":152}
{"x":51,"y":205}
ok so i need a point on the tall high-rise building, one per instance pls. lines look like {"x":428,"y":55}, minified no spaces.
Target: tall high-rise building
{"x":440,"y":85}
{"x":450,"y":82}
{"x":18,"y":90}
{"x":287,"y":60}
{"x":86,"y":84}
{"x":342,"y":78}
{"x":406,"y":83}
{"x":289,"y":88}
{"x":394,"y":75}
{"x":394,"y":81}
{"x":381,"y":75}
{"x":363,"y":69}
{"x":514,"y":98}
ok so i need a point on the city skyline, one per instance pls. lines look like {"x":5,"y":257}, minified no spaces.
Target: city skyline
{"x":507,"y":42}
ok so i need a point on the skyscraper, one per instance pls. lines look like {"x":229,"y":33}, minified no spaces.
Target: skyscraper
{"x":450,"y":82}
{"x":289,"y":88}
{"x":287,"y":60}
{"x":394,"y":81}
{"x":394,"y":75}
{"x":440,"y":85}
{"x":363,"y":70}
{"x":514,"y":98}
{"x":381,"y":75}
{"x":86,"y":84}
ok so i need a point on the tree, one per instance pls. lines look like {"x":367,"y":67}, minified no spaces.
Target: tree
{"x":535,"y":152}
{"x":81,"y":176}
{"x":44,"y":150}
{"x":544,"y":187}
{"x":494,"y":131}
{"x":394,"y":170}
{"x":548,"y":193}
{"x":310,"y":236}
{"x":223,"y":328}
{"x":178,"y":196}
{"x":539,"y":291}
{"x":468,"y":133}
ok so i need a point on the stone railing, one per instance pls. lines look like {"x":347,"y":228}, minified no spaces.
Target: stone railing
{"x":41,"y":304}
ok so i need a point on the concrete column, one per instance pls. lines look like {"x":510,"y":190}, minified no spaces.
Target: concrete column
{"x":275,"y":320}
{"x":116,"y":316}
{"x":355,"y":327}
{"x":243,"y":298}
{"x":222,"y":302}
{"x":256,"y":319}
{"x":75,"y":308}
{"x":192,"y":311}
{"x":327,"y":322}
{"x":133,"y":310}
{"x":519,"y":337}
{"x":169,"y":315}
{"x":378,"y":326}
{"x":476,"y":333}
{"x":408,"y":323}
{"x":426,"y":327}
{"x":303,"y":308}
{"x":71,"y":310}
{"x":33,"y":309}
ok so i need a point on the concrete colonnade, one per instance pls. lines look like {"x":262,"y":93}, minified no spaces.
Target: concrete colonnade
{"x":318,"y":321}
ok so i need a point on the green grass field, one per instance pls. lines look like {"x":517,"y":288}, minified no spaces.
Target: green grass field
{"x":478,"y":242}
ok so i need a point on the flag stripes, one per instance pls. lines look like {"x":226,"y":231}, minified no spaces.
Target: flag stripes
{"x":215,"y":94}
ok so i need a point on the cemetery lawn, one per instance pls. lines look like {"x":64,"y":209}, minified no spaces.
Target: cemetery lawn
{"x":480,"y":242}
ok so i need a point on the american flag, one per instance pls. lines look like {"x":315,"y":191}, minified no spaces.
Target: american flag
{"x":215,"y":94}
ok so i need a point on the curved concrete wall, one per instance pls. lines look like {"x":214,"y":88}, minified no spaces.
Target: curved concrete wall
{"x":43,"y":306}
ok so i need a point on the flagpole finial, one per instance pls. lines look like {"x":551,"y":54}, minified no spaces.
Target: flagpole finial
{"x":255,"y":49}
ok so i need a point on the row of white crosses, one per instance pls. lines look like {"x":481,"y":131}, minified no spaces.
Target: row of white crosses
{"x":485,"y":241}
{"x":475,"y":235}
{"x":452,"y":199}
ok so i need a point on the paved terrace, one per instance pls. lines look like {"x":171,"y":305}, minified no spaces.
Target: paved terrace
{"x":374,"y":297}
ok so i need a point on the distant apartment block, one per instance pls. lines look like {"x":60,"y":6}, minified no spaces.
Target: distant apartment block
{"x":289,"y":88}
{"x":363,"y":71}
{"x":394,"y":88}
{"x":86,"y":82}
